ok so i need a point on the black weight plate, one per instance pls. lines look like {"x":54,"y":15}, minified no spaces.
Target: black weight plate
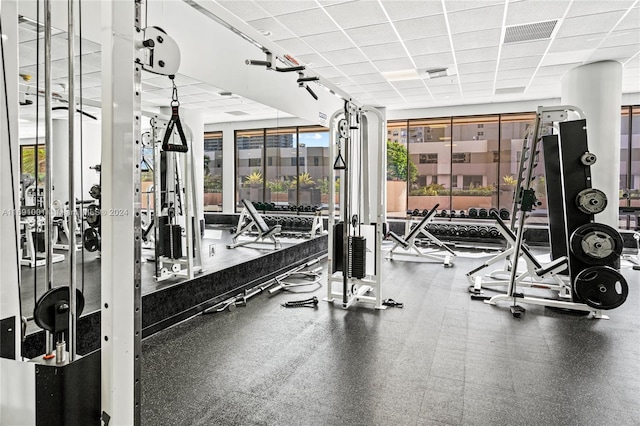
{"x":44,"y":313}
{"x":91,"y":240}
{"x":95,"y":192}
{"x":601,"y":287}
{"x":596,"y":244}
{"x":93,"y":215}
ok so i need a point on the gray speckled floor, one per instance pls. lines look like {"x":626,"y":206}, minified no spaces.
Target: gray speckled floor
{"x":441,"y":360}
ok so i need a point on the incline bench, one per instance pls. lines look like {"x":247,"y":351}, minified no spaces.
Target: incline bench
{"x":408,"y":244}
{"x":250,"y":219}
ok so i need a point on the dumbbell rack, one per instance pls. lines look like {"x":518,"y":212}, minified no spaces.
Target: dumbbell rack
{"x":294,"y":225}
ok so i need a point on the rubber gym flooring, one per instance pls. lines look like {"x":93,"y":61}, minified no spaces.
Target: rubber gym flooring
{"x":443,"y":359}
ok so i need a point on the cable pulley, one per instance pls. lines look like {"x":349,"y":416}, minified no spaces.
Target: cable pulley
{"x":174,"y":121}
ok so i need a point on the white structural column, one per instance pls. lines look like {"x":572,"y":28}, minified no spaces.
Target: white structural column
{"x":121,"y":297}
{"x":9,"y":174}
{"x":597,"y":89}
{"x":195,"y":121}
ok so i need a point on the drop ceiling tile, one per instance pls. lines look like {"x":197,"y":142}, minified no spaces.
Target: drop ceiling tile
{"x":433,"y":61}
{"x":328,"y":72}
{"x":551,"y":90}
{"x":590,"y":24}
{"x":384,"y":51}
{"x":341,"y":81}
{"x":476,"y":19}
{"x":558,"y":58}
{"x":392,"y":100}
{"x":630,"y":22}
{"x":484,"y":85}
{"x":442,"y":81}
{"x":513,"y":74}
{"x":449,"y":88}
{"x":308,"y":22}
{"x":386,"y":94}
{"x":372,"y":35}
{"x":476,"y":55}
{"x":325,"y":42}
{"x":419,"y":99}
{"x":414,"y":92}
{"x":428,"y":46}
{"x":478,"y":94}
{"x":245,"y":10}
{"x":377,"y":87}
{"x":453,"y":6}
{"x":345,"y":56}
{"x":502,"y":83}
{"x":368,"y":78}
{"x":570,"y":44}
{"x":356,"y":69}
{"x":476,"y":67}
{"x":519,"y":63}
{"x":408,"y":84}
{"x":356,"y":14}
{"x":527,"y":12}
{"x":278,"y":32}
{"x":521,"y":50}
{"x":313,"y":60}
{"x":622,"y":53}
{"x":622,"y":38}
{"x":295,"y":46}
{"x":556,"y":70}
{"x":545,"y":80}
{"x":402,"y":9}
{"x":397,"y":64}
{"x":276,"y":8}
{"x":476,"y":78}
{"x":476,"y":40}
{"x":419,"y":28}
{"x":582,"y":8}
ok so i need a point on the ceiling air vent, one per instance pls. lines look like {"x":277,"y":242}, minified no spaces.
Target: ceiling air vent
{"x":236,"y":113}
{"x":437,"y":72}
{"x":529,"y":32}
{"x":509,"y":90}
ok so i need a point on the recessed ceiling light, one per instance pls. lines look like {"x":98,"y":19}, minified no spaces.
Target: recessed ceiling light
{"x":410,"y":74}
{"x":265,"y":33}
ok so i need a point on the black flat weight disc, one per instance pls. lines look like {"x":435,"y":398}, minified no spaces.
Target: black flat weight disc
{"x":44,"y":314}
{"x":596,"y":244}
{"x":601,"y":287}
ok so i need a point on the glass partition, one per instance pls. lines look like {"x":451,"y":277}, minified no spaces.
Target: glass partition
{"x":281,"y":165}
{"x":314,"y":166}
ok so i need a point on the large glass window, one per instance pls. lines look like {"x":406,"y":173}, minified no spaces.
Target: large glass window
{"x":281,"y":170}
{"x":512,"y":132}
{"x":634,"y":170}
{"x":473,"y":142}
{"x":284,"y":166}
{"x":29,"y":178}
{"x":213,"y":171}
{"x":397,"y":165}
{"x":429,"y":181}
{"x":249,"y":165}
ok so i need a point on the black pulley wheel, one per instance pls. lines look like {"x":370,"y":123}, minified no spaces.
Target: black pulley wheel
{"x":44,"y":313}
{"x":596,"y":244}
{"x":601,"y":287}
{"x":91,"y":239}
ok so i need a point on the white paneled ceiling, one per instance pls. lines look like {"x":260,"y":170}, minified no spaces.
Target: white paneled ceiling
{"x":362,"y":44}
{"x":378,"y":51}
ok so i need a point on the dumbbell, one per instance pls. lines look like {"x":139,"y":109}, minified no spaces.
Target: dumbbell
{"x":504,"y":214}
{"x":415,"y":212}
{"x":425,"y":212}
{"x":472,"y":231}
{"x":483,"y":231}
{"x":463,"y":214}
{"x":463,"y":231}
{"x":483,"y":213}
{"x":473,"y":213}
{"x":493,"y":232}
{"x":444,"y":213}
{"x":454,"y":230}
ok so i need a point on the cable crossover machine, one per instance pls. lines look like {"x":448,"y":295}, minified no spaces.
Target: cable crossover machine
{"x":356,"y":222}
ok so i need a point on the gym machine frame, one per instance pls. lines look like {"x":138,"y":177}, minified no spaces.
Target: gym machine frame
{"x":523,"y":202}
{"x":357,"y":151}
